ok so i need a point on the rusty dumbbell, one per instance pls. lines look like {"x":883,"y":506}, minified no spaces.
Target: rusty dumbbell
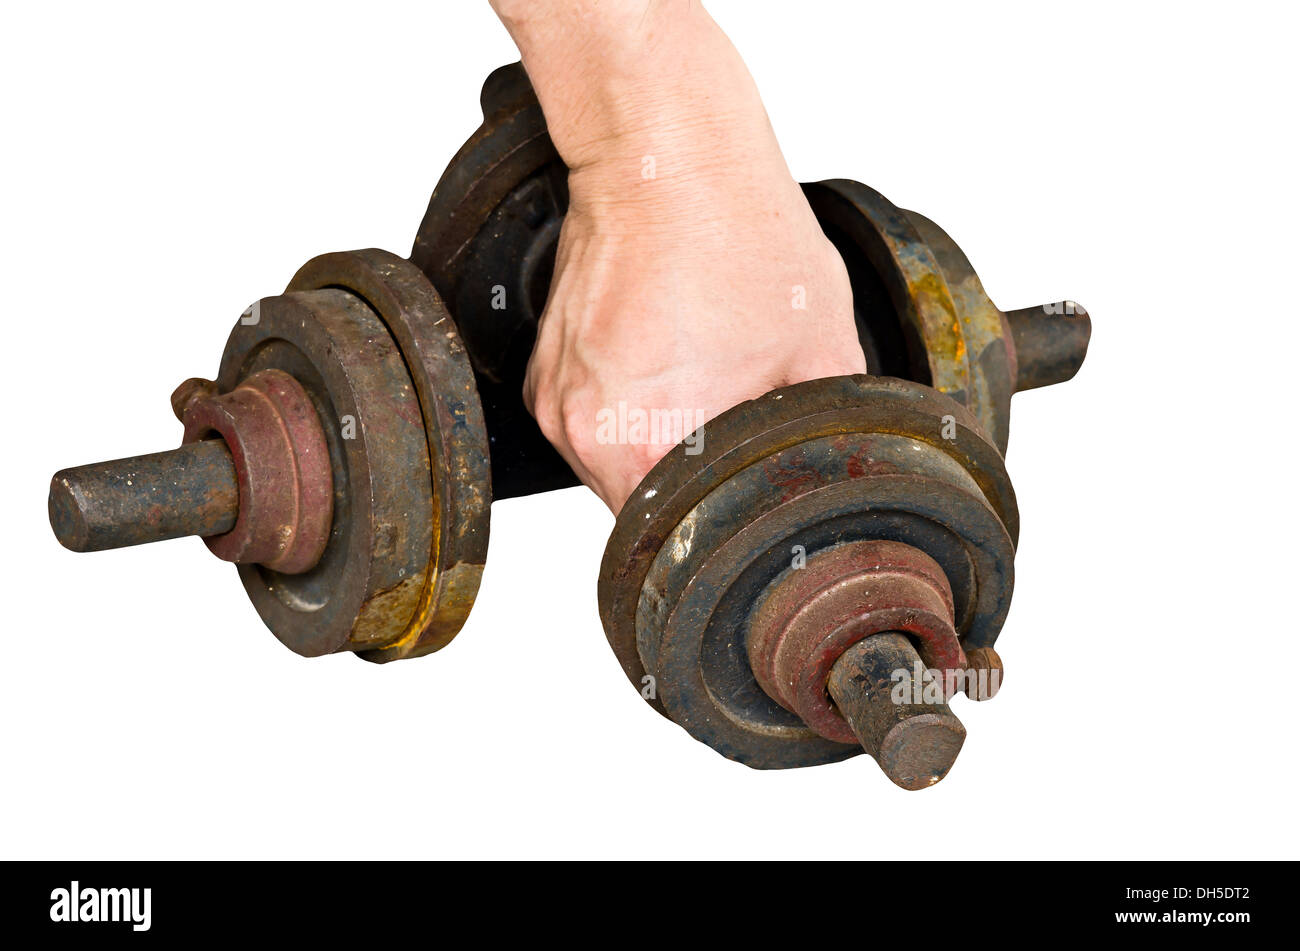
{"x":754,"y":558}
{"x":767,"y":582}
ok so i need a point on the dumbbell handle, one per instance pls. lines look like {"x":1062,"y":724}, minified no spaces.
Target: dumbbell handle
{"x":187,"y":491}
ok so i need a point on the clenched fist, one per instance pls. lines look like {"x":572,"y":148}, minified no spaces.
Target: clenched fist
{"x":691,"y":274}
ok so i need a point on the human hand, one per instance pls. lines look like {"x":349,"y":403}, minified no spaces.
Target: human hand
{"x":691,"y":274}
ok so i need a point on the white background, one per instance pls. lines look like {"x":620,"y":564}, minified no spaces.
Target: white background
{"x":165,"y":164}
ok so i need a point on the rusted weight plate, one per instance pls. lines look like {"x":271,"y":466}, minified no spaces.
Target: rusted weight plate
{"x":367,"y":585}
{"x":913,"y":280}
{"x":812,"y":465}
{"x":990,"y":351}
{"x":924,"y":315}
{"x":487,"y":242}
{"x":447,"y":406}
{"x":507,"y":149}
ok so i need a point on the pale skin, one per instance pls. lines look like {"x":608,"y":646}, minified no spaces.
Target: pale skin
{"x":691,"y":274}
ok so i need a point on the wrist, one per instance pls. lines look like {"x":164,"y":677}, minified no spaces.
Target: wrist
{"x":620,"y":79}
{"x":648,"y":103}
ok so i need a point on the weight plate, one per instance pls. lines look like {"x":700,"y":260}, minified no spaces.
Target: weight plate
{"x":447,"y":407}
{"x":368,"y":583}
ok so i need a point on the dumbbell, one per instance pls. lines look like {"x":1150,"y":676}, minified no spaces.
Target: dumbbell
{"x":348,"y":451}
{"x":771,"y":575}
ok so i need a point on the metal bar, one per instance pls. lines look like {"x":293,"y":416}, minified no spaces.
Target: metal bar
{"x":187,"y":491}
{"x":914,"y":743}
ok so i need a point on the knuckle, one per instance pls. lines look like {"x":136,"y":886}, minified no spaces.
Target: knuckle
{"x":578,"y":427}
